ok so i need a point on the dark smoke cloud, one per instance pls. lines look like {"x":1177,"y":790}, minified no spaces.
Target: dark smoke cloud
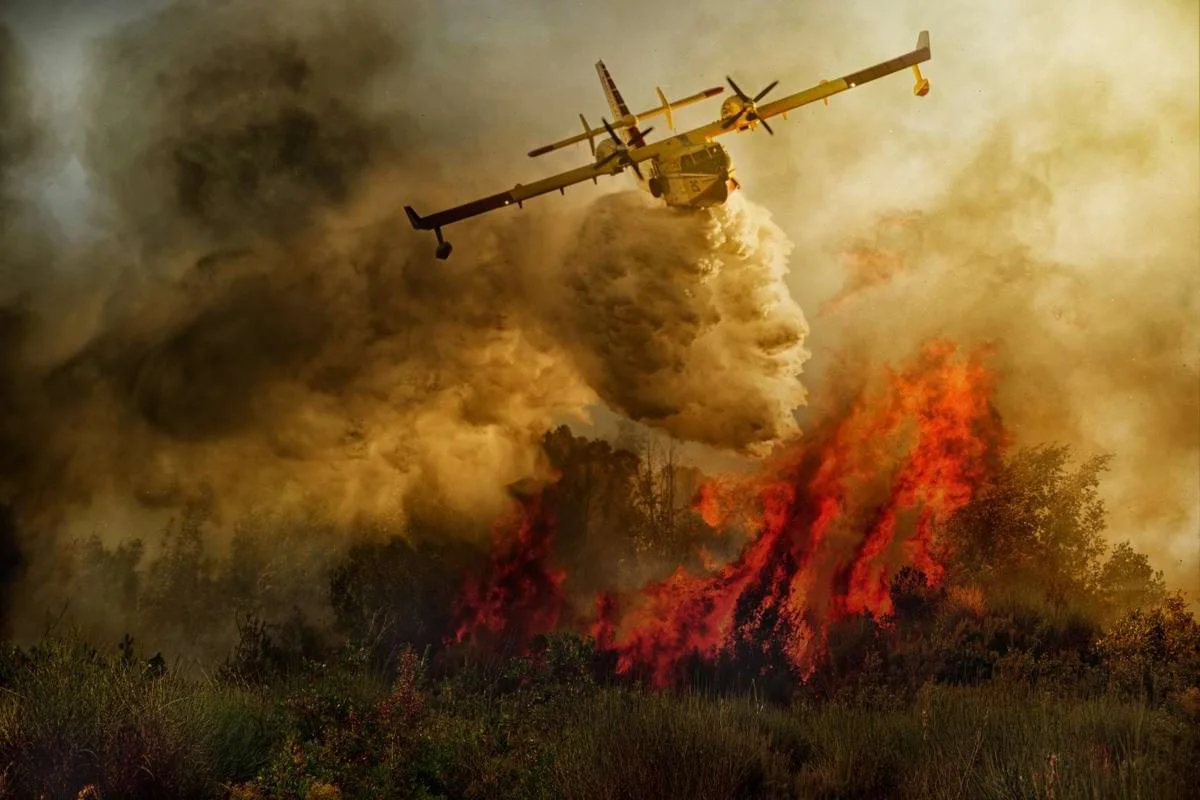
{"x":219,"y":123}
{"x":21,"y":248}
{"x":24,"y":247}
{"x":257,"y":325}
{"x":258,"y":317}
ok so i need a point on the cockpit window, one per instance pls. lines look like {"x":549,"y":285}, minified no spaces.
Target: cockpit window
{"x":709,"y":160}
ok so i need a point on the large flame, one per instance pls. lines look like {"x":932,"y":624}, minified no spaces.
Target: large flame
{"x":520,"y":597}
{"x":839,"y":513}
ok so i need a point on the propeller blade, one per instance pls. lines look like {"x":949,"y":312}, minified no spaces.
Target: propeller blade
{"x":636,"y":169}
{"x":763,"y":93}
{"x":729,"y":122}
{"x":611,"y":132}
{"x":740,"y":93}
{"x":640,"y":139}
{"x":765,"y":125}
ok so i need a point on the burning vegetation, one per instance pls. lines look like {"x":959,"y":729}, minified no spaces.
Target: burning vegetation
{"x":909,"y":500}
{"x":284,"y":512}
{"x":899,"y":576}
{"x":839,"y":513}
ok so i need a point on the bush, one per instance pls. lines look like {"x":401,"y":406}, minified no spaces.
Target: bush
{"x":1154,"y":654}
{"x":633,"y":745}
{"x":348,"y":737}
{"x":72,"y":717}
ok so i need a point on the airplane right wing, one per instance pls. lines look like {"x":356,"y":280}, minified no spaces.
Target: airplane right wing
{"x":522,"y":192}
{"x":826,"y":89}
{"x":823,"y":90}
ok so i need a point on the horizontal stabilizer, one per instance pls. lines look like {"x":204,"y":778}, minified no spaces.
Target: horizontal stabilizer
{"x":666,"y":107}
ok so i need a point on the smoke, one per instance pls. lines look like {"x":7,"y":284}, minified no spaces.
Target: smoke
{"x":662,"y":302}
{"x":23,"y":242}
{"x":1068,"y":242}
{"x":21,"y":247}
{"x":257,"y":328}
{"x":257,"y":321}
{"x":250,"y":321}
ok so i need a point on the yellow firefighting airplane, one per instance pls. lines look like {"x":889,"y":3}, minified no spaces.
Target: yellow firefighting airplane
{"x":688,"y":170}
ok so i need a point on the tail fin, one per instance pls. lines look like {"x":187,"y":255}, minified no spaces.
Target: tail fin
{"x":616,"y":103}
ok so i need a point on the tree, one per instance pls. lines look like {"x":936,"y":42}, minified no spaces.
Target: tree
{"x":592,"y":504}
{"x":388,"y":594}
{"x":1037,"y":525}
{"x":1126,"y":581}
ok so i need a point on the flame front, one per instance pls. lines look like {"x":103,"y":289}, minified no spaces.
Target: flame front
{"x":521,"y":596}
{"x":839,"y":513}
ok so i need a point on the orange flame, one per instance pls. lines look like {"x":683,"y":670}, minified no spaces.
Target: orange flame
{"x":839,"y":513}
{"x":892,"y":468}
{"x":521,"y":596}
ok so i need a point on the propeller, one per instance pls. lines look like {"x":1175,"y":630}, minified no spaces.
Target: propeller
{"x":748,"y":108}
{"x":622,"y":150}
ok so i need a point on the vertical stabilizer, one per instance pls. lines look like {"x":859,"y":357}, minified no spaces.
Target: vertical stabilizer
{"x":616,"y":103}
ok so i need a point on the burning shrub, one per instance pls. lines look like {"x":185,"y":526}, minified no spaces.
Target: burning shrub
{"x":840,"y":513}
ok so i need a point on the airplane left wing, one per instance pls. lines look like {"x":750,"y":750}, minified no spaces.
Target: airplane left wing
{"x":520,"y":193}
{"x":826,"y":89}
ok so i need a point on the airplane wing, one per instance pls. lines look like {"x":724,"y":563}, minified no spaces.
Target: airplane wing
{"x":827,"y":89}
{"x":522,"y":192}
{"x":666,"y":107}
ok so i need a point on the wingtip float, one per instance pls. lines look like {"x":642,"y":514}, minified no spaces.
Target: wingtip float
{"x":686,"y":170}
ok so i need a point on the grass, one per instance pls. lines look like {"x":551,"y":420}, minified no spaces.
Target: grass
{"x":71,"y":718}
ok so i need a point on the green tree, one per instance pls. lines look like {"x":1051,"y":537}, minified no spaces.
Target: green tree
{"x":1037,"y":526}
{"x":1126,"y":581}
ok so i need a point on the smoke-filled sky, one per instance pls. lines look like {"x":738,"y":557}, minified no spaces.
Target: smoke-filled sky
{"x":206,"y":270}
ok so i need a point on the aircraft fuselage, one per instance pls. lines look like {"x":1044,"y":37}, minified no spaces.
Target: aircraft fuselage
{"x":696,"y":177}
{"x":687,"y":175}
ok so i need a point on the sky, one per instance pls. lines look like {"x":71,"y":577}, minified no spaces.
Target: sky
{"x":1050,"y":179}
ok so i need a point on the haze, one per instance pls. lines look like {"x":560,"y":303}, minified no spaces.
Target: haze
{"x":1047,"y":187}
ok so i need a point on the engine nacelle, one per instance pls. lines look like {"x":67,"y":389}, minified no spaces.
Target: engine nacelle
{"x":605,"y":149}
{"x":731,"y":106}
